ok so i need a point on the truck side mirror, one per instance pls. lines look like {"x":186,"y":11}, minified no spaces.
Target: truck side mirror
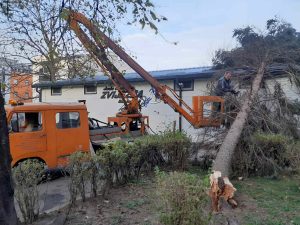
{"x":9,"y":128}
{"x":14,"y":126}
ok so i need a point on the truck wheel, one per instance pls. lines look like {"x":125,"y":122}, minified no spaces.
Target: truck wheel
{"x":26,"y":165}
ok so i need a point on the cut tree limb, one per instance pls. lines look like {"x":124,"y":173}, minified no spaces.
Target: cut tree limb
{"x":224,"y":157}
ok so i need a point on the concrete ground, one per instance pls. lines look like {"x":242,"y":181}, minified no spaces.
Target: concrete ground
{"x":53,"y":194}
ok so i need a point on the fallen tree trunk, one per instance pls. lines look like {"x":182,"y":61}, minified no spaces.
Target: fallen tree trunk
{"x":8,"y":214}
{"x":222,"y":162}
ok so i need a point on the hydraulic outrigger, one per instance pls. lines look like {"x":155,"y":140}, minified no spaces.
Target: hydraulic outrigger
{"x":97,"y":45}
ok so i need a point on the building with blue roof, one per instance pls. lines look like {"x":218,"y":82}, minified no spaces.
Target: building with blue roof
{"x":103,"y":100}
{"x":187,"y":73}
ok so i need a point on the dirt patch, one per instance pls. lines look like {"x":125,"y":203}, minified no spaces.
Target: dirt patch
{"x":137,"y":204}
{"x":229,"y":216}
{"x":130,"y":204}
{"x":260,"y":201}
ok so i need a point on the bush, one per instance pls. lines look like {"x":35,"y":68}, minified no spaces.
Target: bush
{"x":79,"y":170}
{"x":120,"y":161}
{"x":27,"y":175}
{"x":149,"y":149}
{"x":183,"y":199}
{"x":114,"y":159}
{"x":292,"y":154}
{"x":264,"y":154}
{"x":176,"y":148}
{"x":97,"y":176}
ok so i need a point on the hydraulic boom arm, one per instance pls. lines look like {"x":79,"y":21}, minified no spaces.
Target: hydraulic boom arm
{"x":97,"y":47}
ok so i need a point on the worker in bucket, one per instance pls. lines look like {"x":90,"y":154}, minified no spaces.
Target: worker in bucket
{"x":224,"y":86}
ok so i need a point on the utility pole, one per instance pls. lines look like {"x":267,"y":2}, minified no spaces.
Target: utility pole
{"x":2,"y":82}
{"x":180,"y":85}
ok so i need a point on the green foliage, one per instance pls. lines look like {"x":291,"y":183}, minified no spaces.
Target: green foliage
{"x":119,"y":162}
{"x":247,"y":36}
{"x":292,"y":154}
{"x":114,"y":160}
{"x":26,"y":176}
{"x":263,"y":154}
{"x":122,"y":161}
{"x":149,"y":147}
{"x":80,"y":171}
{"x":280,"y":43}
{"x":183,"y":199}
{"x":176,"y":147}
{"x":269,"y":140}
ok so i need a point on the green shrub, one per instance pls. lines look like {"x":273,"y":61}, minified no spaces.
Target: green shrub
{"x":182,"y":198}
{"x":122,"y":161}
{"x":150,"y":155}
{"x":27,"y":175}
{"x":116,"y":163}
{"x":269,"y":140}
{"x":175,"y":147}
{"x":79,"y":170}
{"x":114,"y":160}
{"x":292,"y":154}
{"x":97,"y":176}
{"x":262,"y":154}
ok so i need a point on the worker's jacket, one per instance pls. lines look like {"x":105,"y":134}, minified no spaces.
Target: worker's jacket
{"x":223,"y":86}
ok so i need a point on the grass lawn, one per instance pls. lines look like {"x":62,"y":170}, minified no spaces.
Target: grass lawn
{"x":278,"y":200}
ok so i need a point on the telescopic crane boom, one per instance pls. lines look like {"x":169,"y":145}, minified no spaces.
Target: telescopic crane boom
{"x":97,"y":45}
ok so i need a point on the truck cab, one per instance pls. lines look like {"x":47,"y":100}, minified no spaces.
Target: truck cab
{"x":49,"y":132}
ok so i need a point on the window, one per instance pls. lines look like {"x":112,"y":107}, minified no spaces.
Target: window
{"x":16,"y":94}
{"x":184,"y":85}
{"x":15,"y":82}
{"x":27,"y":82}
{"x":66,"y":120}
{"x":56,"y":91}
{"x":26,"y":122}
{"x":90,"y":89}
{"x":26,"y":95}
{"x":43,"y":70}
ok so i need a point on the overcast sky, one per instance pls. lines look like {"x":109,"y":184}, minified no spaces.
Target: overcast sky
{"x":200,"y":27}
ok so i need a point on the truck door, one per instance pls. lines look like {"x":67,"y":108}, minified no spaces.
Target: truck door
{"x":28,"y":138}
{"x":71,"y":134}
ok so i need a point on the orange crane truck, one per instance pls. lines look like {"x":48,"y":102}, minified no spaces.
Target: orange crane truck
{"x":50,"y":132}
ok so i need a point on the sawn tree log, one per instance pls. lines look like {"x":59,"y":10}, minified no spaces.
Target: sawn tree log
{"x":220,"y":184}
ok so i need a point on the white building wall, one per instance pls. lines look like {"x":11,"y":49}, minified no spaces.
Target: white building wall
{"x":291,"y":91}
{"x":105,"y":104}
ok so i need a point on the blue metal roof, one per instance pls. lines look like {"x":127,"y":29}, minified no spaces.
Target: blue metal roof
{"x":197,"y":72}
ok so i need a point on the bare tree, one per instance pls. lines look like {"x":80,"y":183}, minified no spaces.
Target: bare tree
{"x":33,"y":32}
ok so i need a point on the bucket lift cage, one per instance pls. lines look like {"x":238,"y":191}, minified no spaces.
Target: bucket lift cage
{"x":96,"y":46}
